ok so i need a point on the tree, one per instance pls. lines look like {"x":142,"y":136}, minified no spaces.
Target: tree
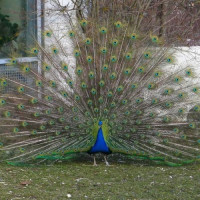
{"x":8,"y":30}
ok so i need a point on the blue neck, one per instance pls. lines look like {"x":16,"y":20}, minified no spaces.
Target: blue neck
{"x":100,"y":145}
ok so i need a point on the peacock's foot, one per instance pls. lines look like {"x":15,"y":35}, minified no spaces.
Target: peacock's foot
{"x":95,"y":164}
{"x":105,"y":158}
{"x":107,"y":164}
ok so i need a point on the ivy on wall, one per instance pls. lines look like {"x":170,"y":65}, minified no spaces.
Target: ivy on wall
{"x":8,"y":31}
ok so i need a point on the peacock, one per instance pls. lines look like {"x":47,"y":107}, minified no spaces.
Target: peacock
{"x":110,"y":80}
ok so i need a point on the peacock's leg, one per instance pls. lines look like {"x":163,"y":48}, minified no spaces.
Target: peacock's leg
{"x":105,"y":158}
{"x":95,"y":164}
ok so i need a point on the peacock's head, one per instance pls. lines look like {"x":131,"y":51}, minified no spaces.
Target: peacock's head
{"x":100,"y":123}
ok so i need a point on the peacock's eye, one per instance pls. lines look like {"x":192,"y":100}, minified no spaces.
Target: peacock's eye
{"x":154,"y":39}
{"x":71,"y":34}
{"x":140,"y":70}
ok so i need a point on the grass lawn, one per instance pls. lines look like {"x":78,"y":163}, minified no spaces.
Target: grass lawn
{"x":123,"y":180}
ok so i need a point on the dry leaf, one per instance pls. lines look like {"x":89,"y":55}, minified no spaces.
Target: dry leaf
{"x":25,"y":183}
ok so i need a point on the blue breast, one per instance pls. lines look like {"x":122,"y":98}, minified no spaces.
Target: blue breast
{"x":100,"y":145}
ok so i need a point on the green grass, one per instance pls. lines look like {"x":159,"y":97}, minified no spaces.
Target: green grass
{"x":121,"y":181}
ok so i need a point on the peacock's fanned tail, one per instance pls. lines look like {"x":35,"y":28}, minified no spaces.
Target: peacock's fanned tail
{"x":106,"y":64}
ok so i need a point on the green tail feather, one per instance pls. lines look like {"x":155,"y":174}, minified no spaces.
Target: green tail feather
{"x":105,"y":65}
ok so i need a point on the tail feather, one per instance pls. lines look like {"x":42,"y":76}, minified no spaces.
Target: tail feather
{"x":107,"y":64}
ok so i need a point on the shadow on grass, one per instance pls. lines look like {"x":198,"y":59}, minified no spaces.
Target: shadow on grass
{"x":86,"y":159}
